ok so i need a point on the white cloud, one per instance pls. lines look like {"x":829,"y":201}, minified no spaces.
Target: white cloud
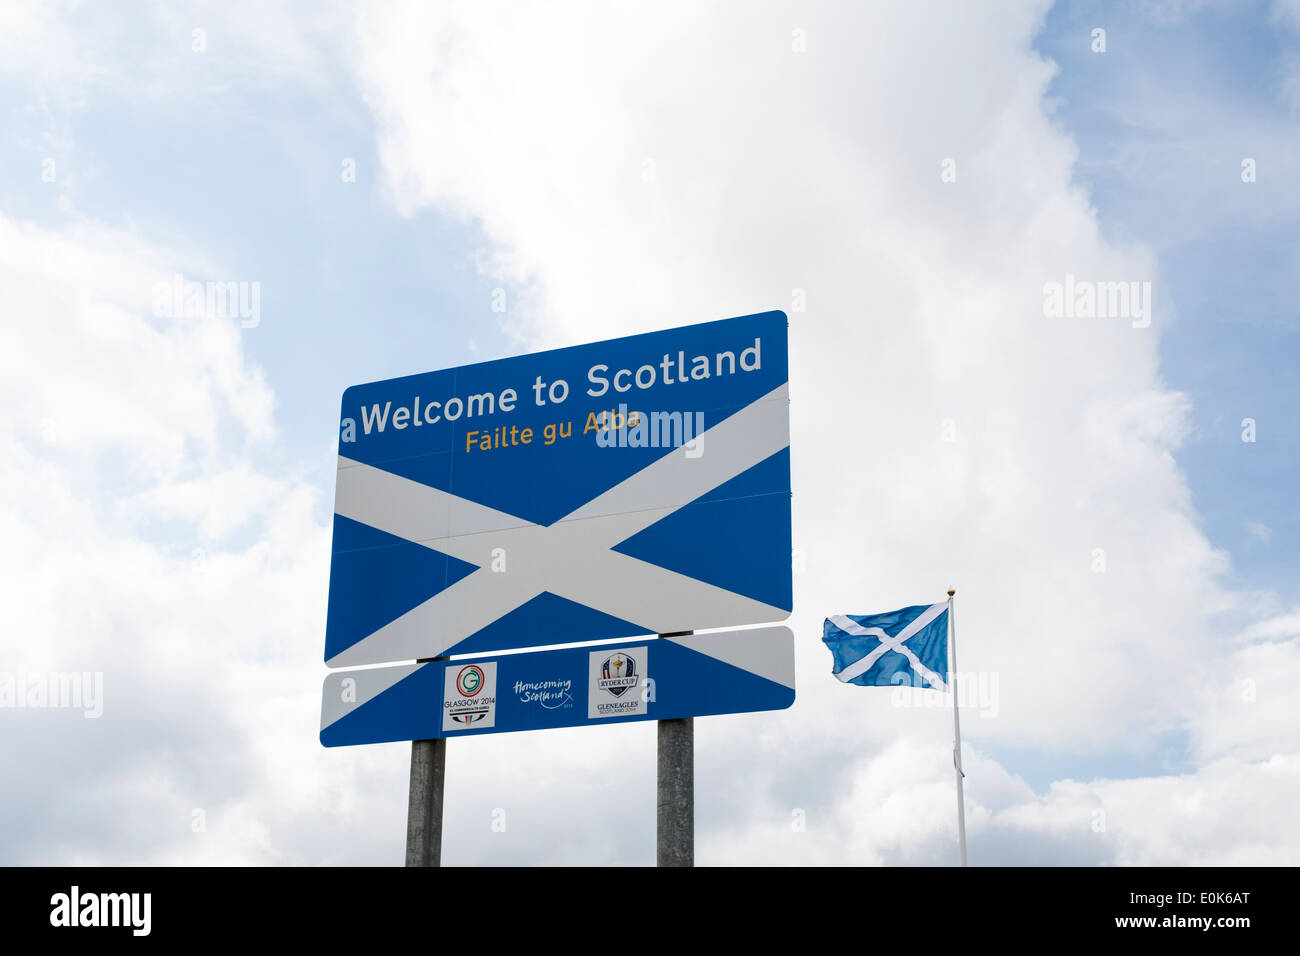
{"x":115,"y":420}
{"x":84,"y":370}
{"x":1287,"y":12}
{"x":1260,"y":531}
{"x":1228,"y":813}
{"x":66,"y":51}
{"x":636,"y":168}
{"x":1281,"y":626}
{"x":924,"y":304}
{"x":640,"y":168}
{"x":219,"y":503}
{"x":896,"y":807}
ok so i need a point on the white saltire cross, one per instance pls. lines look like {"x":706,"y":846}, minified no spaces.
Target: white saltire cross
{"x":888,"y":643}
{"x":571,"y":558}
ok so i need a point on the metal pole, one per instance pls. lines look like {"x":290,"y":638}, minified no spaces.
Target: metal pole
{"x":424,"y":805}
{"x":675,"y":825}
{"x":956,"y":728}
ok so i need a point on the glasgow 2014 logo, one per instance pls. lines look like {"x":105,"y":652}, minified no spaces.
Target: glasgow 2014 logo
{"x":470,"y":680}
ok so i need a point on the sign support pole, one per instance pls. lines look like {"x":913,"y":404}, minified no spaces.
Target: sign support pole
{"x":675,"y":825}
{"x":424,"y":809}
{"x":424,"y":803}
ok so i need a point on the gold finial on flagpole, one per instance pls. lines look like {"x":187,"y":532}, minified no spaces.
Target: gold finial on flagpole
{"x":951,"y":592}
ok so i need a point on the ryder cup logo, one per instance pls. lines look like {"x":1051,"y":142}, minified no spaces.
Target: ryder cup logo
{"x":618,"y":674}
{"x":614,"y":672}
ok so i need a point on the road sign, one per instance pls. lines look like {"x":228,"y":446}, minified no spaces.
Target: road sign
{"x":635,"y":486}
{"x":725,"y":672}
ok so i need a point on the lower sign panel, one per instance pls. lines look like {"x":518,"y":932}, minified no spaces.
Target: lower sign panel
{"x":728,"y":672}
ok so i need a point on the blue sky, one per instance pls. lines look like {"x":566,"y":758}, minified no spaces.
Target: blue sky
{"x":354,"y":291}
{"x":249,"y":178}
{"x":1162,"y":120}
{"x":511,"y":155}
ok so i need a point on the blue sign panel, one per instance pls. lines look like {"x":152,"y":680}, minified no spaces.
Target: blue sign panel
{"x":635,"y":486}
{"x":653,"y":679}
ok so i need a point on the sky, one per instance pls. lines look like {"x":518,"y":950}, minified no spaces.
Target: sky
{"x":1109,"y":495}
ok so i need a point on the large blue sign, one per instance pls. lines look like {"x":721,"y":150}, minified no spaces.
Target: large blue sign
{"x":652,"y":679}
{"x":635,"y":486}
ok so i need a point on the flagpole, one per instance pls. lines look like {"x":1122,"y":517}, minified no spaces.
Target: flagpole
{"x":956,"y":727}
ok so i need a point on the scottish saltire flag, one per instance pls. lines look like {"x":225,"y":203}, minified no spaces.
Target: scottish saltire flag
{"x":907,"y":647}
